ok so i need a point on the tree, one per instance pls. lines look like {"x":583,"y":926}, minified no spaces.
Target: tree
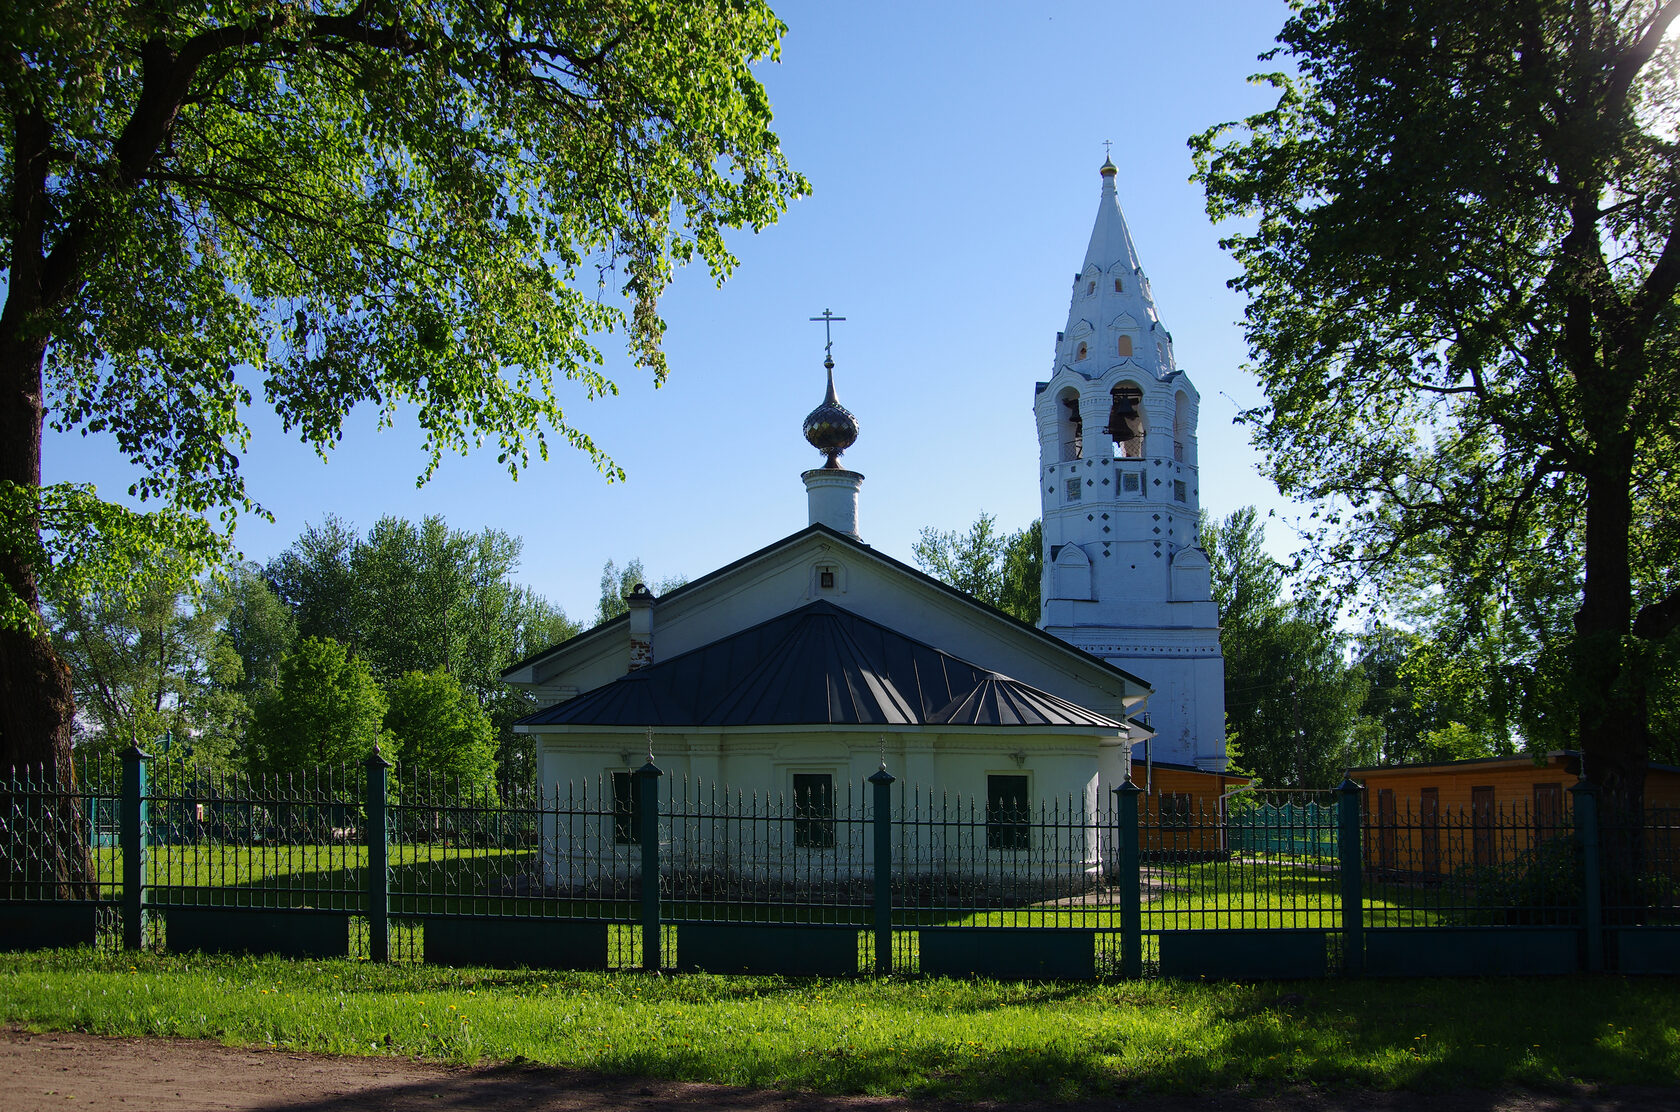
{"x":260,"y":629}
{"x":1023,"y":573}
{"x":1421,"y":705}
{"x":439,"y":729}
{"x":971,"y":562}
{"x":421,"y":597}
{"x":1462,"y":274}
{"x":152,"y":668}
{"x":1291,"y":699}
{"x":428,"y":597}
{"x":533,"y":624}
{"x":1393,"y":718}
{"x":1002,"y":570}
{"x":326,"y":712}
{"x":333,"y":202}
{"x":316,"y":578}
{"x":617,"y":583}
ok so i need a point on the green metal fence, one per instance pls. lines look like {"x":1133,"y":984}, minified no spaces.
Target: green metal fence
{"x":61,"y":867}
{"x":1306,"y":828}
{"x":642,"y":871}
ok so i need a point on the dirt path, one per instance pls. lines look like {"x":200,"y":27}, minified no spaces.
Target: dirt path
{"x":68,"y":1070}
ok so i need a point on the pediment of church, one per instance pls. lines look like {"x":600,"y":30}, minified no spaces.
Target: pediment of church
{"x":816,"y":565}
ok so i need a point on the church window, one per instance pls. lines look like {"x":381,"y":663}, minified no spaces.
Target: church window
{"x":1073,"y":489}
{"x":627,"y":810}
{"x":825,"y":577}
{"x":1117,"y":286}
{"x":1125,"y":347}
{"x":1131,"y":482}
{"x":1178,"y":490}
{"x":813,"y":810}
{"x":1090,"y":288}
{"x":1007,"y":813}
{"x":1178,"y":451}
{"x":1160,"y":353}
{"x":1081,"y":352}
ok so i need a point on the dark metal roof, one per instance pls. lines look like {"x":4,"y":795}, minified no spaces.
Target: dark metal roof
{"x":817,"y":665}
{"x":1174,"y":766}
{"x":701,"y":583}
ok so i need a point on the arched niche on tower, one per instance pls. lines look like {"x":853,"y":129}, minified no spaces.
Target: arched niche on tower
{"x":1192,"y":576}
{"x":1070,"y":425}
{"x":1125,"y":336}
{"x":1079,"y":343}
{"x":1070,"y":574}
{"x":1091,"y":281}
{"x":1128,"y":424}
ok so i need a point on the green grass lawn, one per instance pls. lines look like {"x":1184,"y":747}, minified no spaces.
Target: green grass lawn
{"x":912,"y":1036}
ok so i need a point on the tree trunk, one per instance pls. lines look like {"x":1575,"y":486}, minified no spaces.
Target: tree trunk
{"x":1613,"y":729}
{"x":36,"y":705}
{"x":41,"y":839}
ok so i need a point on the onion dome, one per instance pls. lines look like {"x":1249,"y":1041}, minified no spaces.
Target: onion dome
{"x":830,"y":427}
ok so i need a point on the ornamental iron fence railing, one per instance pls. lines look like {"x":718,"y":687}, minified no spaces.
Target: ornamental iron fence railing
{"x":641,"y":871}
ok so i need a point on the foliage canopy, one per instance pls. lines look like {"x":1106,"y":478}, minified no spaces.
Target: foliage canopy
{"x":1291,"y":699}
{"x":439,"y":729}
{"x":326,"y":712}
{"x":1462,"y":253}
{"x":428,"y":209}
{"x":1000,"y":569}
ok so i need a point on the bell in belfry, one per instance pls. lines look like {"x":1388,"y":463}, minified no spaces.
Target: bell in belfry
{"x":1123,"y":422}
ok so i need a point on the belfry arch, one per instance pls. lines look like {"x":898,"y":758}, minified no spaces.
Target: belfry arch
{"x":1127,"y":423}
{"x":1070,"y":426}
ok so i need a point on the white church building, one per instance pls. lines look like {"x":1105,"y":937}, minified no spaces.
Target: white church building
{"x":800,"y":669}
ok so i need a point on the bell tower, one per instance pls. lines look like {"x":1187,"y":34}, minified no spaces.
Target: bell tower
{"x":1125,"y":575}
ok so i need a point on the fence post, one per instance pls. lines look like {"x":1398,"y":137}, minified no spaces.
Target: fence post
{"x":132,"y":837}
{"x":1352,"y":860}
{"x":647,"y":785}
{"x":378,"y":858}
{"x":882,"y":817}
{"x":1129,"y":877}
{"x":1585,"y":804}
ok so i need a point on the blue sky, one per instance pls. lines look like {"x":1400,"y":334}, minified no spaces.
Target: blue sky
{"x":953,"y":150}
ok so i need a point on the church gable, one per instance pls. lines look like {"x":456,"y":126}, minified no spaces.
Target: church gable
{"x":819,"y":665}
{"x":818,"y":564}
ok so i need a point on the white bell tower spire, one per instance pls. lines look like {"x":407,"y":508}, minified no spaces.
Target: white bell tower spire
{"x":1125,"y":576}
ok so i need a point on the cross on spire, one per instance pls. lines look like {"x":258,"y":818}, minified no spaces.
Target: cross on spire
{"x":828,"y":318}
{"x":1107,"y":143}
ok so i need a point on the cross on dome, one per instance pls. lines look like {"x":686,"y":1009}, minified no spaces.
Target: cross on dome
{"x":828,"y":318}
